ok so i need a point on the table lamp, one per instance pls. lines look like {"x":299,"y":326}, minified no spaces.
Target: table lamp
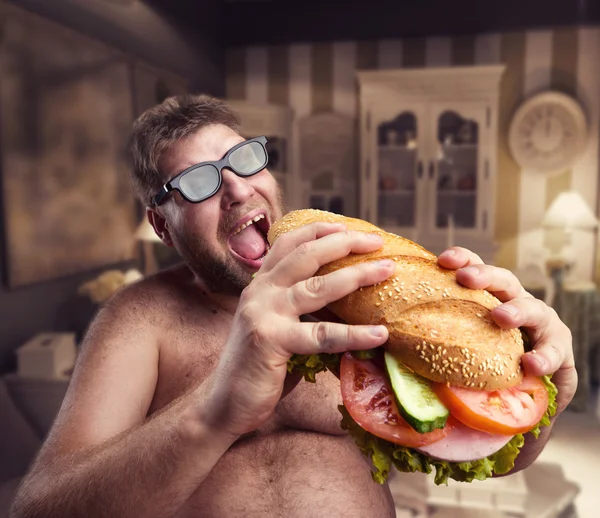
{"x":146,"y":234}
{"x":568,"y":212}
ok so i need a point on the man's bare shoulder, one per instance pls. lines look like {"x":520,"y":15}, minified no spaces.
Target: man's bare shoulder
{"x":149,"y":302}
{"x":154,"y":291}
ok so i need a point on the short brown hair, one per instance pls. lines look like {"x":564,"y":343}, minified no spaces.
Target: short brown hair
{"x":164,"y":124}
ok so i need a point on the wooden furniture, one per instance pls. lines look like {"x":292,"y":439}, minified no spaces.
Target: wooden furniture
{"x":540,"y":491}
{"x":428,"y":140}
{"x":276,"y":123}
{"x":327,"y":163}
{"x":575,"y":305}
{"x":38,"y":399}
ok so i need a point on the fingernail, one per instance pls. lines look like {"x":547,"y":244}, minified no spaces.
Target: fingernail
{"x":448,"y":253}
{"x":471,"y":270}
{"x":377,"y":331}
{"x":375,"y":237}
{"x":385,"y":263}
{"x":508,"y":308}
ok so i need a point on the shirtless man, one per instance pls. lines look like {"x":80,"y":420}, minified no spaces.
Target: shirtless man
{"x":180,"y":404}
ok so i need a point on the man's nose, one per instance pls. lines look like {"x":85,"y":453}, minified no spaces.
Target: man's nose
{"x":236,"y":189}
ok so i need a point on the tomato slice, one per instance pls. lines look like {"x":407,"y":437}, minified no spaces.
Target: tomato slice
{"x":507,"y":411}
{"x":369,"y":399}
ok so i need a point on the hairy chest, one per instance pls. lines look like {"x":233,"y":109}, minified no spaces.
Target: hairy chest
{"x":190,"y":349}
{"x":189,"y":352}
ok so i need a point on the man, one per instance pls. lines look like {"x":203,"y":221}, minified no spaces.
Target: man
{"x":180,"y":404}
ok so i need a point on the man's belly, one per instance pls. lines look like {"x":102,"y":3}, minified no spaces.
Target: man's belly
{"x":291,"y":474}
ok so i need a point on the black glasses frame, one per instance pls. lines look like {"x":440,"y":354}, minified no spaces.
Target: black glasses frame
{"x":219,"y":165}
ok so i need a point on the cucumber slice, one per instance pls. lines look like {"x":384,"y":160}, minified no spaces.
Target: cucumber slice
{"x":417,"y":403}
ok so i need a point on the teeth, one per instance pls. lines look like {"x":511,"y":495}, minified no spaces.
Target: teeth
{"x":250,"y":222}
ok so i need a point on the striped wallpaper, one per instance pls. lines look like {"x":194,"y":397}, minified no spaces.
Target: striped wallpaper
{"x":321,"y":77}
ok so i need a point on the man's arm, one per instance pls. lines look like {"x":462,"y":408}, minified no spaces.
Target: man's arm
{"x":103,"y":457}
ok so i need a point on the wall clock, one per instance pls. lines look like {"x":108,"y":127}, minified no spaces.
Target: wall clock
{"x":548,"y":133}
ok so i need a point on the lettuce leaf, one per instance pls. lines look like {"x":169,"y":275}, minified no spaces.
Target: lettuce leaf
{"x":384,"y":454}
{"x":310,"y":365}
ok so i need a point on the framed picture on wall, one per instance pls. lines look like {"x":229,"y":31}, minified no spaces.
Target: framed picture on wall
{"x":65,"y":117}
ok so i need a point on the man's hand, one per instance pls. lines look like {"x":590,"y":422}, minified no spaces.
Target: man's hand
{"x":267,"y":330}
{"x":551,"y":339}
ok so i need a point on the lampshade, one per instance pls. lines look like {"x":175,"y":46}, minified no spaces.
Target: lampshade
{"x":569,"y":210}
{"x":145,"y":232}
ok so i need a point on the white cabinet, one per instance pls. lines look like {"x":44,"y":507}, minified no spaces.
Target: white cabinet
{"x":276,"y":123}
{"x":428,"y":154}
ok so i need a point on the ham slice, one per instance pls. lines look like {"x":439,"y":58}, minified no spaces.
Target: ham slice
{"x":464,"y":444}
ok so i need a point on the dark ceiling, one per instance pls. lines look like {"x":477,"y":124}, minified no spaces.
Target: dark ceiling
{"x":248,"y":22}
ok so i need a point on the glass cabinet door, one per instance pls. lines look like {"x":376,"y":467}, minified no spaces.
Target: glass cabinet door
{"x":456,"y":170}
{"x":397,"y":153}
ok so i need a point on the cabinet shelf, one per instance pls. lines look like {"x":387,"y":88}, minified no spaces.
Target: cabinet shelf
{"x":460,"y":147}
{"x":455,"y":192}
{"x":396,"y":192}
{"x":449,"y":170}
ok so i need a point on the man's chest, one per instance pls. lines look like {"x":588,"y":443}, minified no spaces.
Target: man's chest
{"x":189,"y":353}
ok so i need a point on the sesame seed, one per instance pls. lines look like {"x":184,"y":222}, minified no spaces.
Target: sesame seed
{"x":378,"y":304}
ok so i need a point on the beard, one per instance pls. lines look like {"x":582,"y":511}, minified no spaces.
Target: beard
{"x":220,"y":272}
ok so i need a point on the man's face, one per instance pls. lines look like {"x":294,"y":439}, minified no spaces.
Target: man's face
{"x":215,"y":237}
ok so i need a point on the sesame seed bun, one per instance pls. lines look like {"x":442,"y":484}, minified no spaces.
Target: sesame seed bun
{"x":439,"y":328}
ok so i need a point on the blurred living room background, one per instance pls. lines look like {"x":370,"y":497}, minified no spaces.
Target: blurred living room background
{"x":466,"y":123}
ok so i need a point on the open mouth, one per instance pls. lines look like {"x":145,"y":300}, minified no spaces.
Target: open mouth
{"x":249,"y":242}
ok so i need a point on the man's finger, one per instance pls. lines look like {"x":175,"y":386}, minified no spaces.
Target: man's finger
{"x":306,"y":259}
{"x":458,"y":257}
{"x":288,"y":242}
{"x":330,"y":337}
{"x":321,"y":314}
{"x":316,"y":292}
{"x":553,"y":349}
{"x":499,"y":281}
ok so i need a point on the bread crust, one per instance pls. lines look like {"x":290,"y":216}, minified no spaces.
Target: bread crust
{"x":439,"y":328}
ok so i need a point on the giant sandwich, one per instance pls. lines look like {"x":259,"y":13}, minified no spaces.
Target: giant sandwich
{"x":447,"y":390}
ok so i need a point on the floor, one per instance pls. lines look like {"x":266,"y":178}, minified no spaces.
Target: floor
{"x":575,"y":445}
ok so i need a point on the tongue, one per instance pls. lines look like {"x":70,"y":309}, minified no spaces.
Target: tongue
{"x":249,"y":243}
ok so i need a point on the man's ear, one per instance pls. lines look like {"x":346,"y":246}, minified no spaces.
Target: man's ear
{"x":159,"y":223}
